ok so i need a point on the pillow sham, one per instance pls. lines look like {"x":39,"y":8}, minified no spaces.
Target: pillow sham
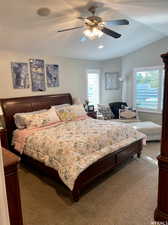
{"x":39,"y":119}
{"x":71,"y":112}
{"x":19,"y":118}
{"x":127,"y":114}
{"x":78,"y":110}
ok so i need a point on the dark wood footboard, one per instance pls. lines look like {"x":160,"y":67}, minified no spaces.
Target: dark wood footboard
{"x":105,"y":164}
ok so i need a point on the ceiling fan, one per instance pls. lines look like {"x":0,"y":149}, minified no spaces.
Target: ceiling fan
{"x":95,"y":26}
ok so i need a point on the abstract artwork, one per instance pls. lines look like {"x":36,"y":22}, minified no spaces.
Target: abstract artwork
{"x":37,"y":74}
{"x":20,"y":75}
{"x":52,"y":75}
{"x":111,"y":80}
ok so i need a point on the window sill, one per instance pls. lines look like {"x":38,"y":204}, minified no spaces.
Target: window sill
{"x":148,"y":111}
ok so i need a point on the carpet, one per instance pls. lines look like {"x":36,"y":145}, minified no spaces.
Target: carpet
{"x":126,"y":196}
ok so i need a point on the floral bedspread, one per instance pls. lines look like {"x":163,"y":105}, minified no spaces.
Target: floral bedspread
{"x":73,"y":146}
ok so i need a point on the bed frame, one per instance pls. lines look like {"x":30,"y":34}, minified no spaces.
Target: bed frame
{"x":11,"y":106}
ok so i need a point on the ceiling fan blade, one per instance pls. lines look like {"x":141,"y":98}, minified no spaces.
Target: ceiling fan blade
{"x":117,"y":22}
{"x":81,"y":18}
{"x":110,"y":32}
{"x":73,"y":28}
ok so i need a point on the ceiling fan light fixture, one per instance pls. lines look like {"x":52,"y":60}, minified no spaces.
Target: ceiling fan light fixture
{"x":95,"y":27}
{"x":93,"y":33}
{"x":97,"y":32}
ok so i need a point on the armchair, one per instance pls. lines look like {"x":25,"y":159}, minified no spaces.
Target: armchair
{"x":115,"y":107}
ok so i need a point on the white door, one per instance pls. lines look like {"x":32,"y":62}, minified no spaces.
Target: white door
{"x":93,"y":87}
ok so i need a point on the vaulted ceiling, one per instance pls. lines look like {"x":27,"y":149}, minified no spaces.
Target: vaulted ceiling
{"x":22,"y":29}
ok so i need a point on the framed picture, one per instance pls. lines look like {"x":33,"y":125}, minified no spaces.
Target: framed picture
{"x":20,"y":76}
{"x":52,"y":72}
{"x":37,"y":74}
{"x":111,"y":80}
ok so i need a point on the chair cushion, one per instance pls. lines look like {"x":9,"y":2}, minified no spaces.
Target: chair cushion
{"x":127,"y":114}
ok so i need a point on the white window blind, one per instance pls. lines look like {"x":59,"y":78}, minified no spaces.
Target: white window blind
{"x":148,"y":89}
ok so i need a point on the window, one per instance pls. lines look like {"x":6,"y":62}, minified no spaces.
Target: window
{"x":93,"y":87}
{"x":148,"y":89}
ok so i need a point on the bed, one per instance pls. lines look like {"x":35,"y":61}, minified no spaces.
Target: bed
{"x":97,"y":168}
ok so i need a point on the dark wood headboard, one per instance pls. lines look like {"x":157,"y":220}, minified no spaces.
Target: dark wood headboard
{"x":10,"y":106}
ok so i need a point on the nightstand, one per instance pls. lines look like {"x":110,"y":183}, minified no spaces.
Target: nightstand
{"x":3,"y":137}
{"x":92,"y":114}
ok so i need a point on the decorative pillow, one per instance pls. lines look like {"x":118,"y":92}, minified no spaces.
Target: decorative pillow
{"x":19,"y":118}
{"x":39,"y":119}
{"x":78,"y":110}
{"x":105,"y":111}
{"x":127,"y":114}
{"x":71,"y":112}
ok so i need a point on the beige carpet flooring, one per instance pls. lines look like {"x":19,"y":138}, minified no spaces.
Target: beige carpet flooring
{"x":127,"y":196}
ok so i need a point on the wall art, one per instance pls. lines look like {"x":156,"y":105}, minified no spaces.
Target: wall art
{"x":37,"y":74}
{"x":52,"y":72}
{"x":111,"y":80}
{"x":20,"y":76}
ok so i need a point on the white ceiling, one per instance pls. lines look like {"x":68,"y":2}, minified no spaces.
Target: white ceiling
{"x":23,"y":30}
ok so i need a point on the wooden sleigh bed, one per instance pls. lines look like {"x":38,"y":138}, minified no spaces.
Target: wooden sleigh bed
{"x":28,"y":104}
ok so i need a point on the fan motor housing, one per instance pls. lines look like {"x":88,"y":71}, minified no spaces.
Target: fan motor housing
{"x":95,"y":19}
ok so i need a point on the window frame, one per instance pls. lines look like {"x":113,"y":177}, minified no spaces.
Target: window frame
{"x":97,"y":71}
{"x":161,"y":84}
